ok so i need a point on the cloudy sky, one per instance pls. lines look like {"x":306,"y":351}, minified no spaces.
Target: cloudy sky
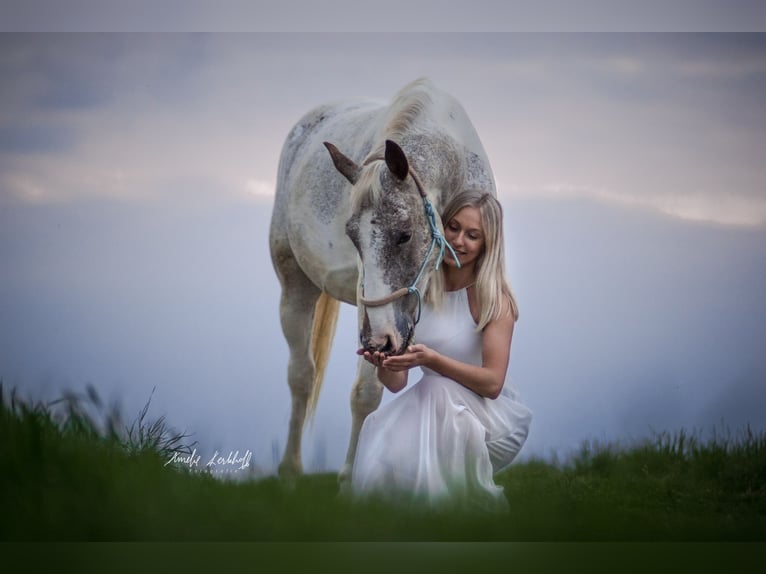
{"x":136,"y":182}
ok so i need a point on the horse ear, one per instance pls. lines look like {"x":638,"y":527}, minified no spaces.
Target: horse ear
{"x":344,"y":164}
{"x":396,"y":160}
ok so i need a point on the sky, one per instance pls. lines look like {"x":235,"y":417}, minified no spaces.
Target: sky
{"x":136,"y":184}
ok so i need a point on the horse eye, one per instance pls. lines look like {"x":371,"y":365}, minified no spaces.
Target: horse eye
{"x":404,"y":237}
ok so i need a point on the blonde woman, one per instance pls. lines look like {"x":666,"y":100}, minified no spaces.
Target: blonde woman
{"x":443,"y":438}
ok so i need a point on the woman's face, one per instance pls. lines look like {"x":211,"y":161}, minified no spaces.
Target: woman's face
{"x":466,"y":236}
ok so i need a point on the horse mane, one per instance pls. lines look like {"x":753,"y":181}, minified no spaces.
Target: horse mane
{"x":405,"y":108}
{"x":402,"y":114}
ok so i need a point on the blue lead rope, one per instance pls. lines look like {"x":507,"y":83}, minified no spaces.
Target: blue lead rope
{"x":436,"y":238}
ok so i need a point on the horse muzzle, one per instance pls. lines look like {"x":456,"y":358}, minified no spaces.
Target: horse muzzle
{"x":389,"y":339}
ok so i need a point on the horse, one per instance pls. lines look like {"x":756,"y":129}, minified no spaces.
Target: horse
{"x":359,"y":227}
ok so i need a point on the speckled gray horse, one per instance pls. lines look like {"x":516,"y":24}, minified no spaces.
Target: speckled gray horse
{"x":362,"y":235}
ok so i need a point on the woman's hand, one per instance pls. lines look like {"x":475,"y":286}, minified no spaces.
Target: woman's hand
{"x":392,"y":371}
{"x":375,"y":358}
{"x":415,"y":356}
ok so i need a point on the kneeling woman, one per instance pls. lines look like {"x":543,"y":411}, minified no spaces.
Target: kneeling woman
{"x":441,"y":441}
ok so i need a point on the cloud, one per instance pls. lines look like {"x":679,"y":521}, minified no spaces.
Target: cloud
{"x":260,"y":189}
{"x":53,"y":72}
{"x":616,"y":118}
{"x":423,"y":16}
{"x":658,"y":121}
{"x":124,"y":117}
{"x":35,"y":139}
{"x":732,"y":209}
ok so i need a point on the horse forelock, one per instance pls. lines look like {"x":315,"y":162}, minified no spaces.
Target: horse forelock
{"x":368,"y":189}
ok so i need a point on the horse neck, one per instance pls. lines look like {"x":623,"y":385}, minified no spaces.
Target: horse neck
{"x":446,"y":167}
{"x":436,"y":159}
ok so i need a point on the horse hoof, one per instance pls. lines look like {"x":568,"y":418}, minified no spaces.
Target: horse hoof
{"x":290,"y":471}
{"x":344,"y":478}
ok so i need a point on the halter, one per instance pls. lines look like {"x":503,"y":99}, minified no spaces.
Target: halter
{"x":437,"y":238}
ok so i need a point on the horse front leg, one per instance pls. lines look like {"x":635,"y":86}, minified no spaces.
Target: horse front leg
{"x":296,"y":308}
{"x":366,"y":395}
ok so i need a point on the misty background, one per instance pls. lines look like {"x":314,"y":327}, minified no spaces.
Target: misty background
{"x":136,"y":181}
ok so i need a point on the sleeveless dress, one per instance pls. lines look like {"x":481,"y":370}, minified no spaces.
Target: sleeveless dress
{"x":438,"y":442}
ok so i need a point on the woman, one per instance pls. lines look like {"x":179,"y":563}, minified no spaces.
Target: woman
{"x":441,"y":441}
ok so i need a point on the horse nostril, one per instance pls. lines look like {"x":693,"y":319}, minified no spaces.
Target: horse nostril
{"x":384,"y":344}
{"x":388,"y":346}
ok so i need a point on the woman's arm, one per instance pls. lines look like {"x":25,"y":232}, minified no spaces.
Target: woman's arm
{"x":486,"y":380}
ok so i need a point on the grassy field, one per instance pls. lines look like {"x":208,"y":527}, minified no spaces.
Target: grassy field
{"x":68,"y":477}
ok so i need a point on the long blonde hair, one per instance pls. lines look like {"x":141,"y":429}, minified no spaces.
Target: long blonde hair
{"x":494,"y":293}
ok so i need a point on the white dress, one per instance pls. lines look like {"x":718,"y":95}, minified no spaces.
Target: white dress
{"x":439,"y":442}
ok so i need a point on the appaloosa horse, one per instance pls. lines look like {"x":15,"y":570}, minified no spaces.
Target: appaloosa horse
{"x":370,"y":238}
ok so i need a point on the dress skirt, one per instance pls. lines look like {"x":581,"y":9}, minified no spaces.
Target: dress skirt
{"x":440,"y":443}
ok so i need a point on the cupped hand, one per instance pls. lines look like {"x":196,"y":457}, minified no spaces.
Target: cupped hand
{"x":415,"y":356}
{"x":376,"y":358}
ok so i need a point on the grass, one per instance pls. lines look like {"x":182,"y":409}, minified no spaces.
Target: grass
{"x":67,"y":475}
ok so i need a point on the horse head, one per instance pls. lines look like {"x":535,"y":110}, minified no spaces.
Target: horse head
{"x":394,"y":235}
